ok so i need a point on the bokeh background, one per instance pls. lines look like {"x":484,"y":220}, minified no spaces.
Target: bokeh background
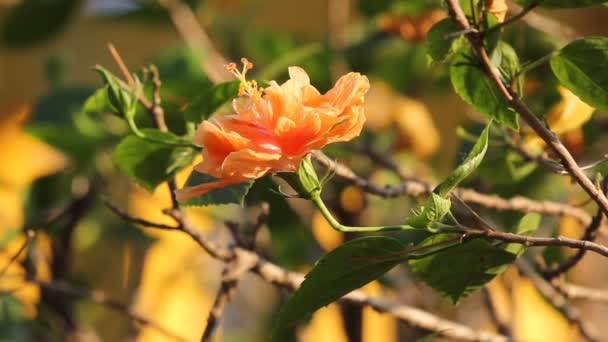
{"x":52,"y":152}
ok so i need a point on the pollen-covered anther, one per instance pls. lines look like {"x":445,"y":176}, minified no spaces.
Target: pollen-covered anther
{"x":246,"y":88}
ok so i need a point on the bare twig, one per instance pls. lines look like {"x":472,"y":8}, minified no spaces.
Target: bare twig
{"x":408,"y":314}
{"x":572,"y":291}
{"x":156,"y":110}
{"x":544,"y":23}
{"x":558,"y":301}
{"x":100,"y":298}
{"x":534,"y":241}
{"x":29,"y":236}
{"x":589,"y":235}
{"x":121,"y":65}
{"x":280,"y":277}
{"x":414,"y":188}
{"x":502,"y":326}
{"x":136,"y":220}
{"x":189,"y":228}
{"x":233,"y":272}
{"x":513,"y":101}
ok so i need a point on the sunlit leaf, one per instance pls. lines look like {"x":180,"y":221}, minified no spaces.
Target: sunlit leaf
{"x":582,"y":66}
{"x":438,"y":44}
{"x":210,"y":100}
{"x":462,"y":269}
{"x":231,"y":194}
{"x":469,"y":165}
{"x":471,"y":83}
{"x":342,"y":270}
{"x":150,"y":163}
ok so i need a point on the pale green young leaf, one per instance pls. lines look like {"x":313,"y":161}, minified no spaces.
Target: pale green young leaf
{"x":467,"y":167}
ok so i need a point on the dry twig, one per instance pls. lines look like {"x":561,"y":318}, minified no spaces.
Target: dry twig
{"x":413,"y":187}
{"x":100,"y":298}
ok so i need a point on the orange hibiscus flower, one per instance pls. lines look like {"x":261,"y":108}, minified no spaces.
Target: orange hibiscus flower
{"x":274,"y":128}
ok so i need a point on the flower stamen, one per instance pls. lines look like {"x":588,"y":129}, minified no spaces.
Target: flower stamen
{"x":246,"y":88}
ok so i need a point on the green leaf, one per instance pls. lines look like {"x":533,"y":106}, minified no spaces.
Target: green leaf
{"x":505,"y":57}
{"x":120,"y":99}
{"x":437,"y":45}
{"x":346,"y":268}
{"x":210,"y":100}
{"x":491,"y":39}
{"x":470,"y":6}
{"x":469,"y":165}
{"x":98,"y":102}
{"x":462,"y":269}
{"x":150,"y":163}
{"x":31,"y":22}
{"x":471,"y":83}
{"x":234,"y":193}
{"x":433,"y":210}
{"x":561,"y":3}
{"x":582,"y":66}
{"x":528,"y":225}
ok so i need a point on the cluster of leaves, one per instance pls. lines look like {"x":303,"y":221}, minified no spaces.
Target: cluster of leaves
{"x":466,"y":266}
{"x":151,"y":156}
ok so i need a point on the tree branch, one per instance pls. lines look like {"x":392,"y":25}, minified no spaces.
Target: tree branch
{"x":572,"y":291}
{"x":413,"y":187}
{"x":558,"y":301}
{"x":232,"y":274}
{"x":101,"y":298}
{"x":527,"y":115}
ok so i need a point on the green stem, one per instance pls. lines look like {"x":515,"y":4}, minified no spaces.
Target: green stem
{"x":535,"y":64}
{"x":138,"y":133}
{"x":348,"y":229}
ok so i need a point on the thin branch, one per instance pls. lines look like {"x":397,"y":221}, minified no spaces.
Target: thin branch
{"x":589,"y":235}
{"x":156,"y":110}
{"x":413,"y":187}
{"x":540,"y":159}
{"x":410,"y":315}
{"x":534,"y":241}
{"x":121,"y":65}
{"x":558,"y":301}
{"x":102,"y":299}
{"x":527,"y":115}
{"x":545,"y":23}
{"x":502,"y":326}
{"x":29,"y":236}
{"x":514,"y":18}
{"x":232,"y":274}
{"x":278,"y":276}
{"x":136,"y":220}
{"x":214,"y":250}
{"x":572,"y":291}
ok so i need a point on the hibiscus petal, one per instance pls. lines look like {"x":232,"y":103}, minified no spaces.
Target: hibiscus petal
{"x":249,"y":164}
{"x":189,"y":192}
{"x":348,"y":91}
